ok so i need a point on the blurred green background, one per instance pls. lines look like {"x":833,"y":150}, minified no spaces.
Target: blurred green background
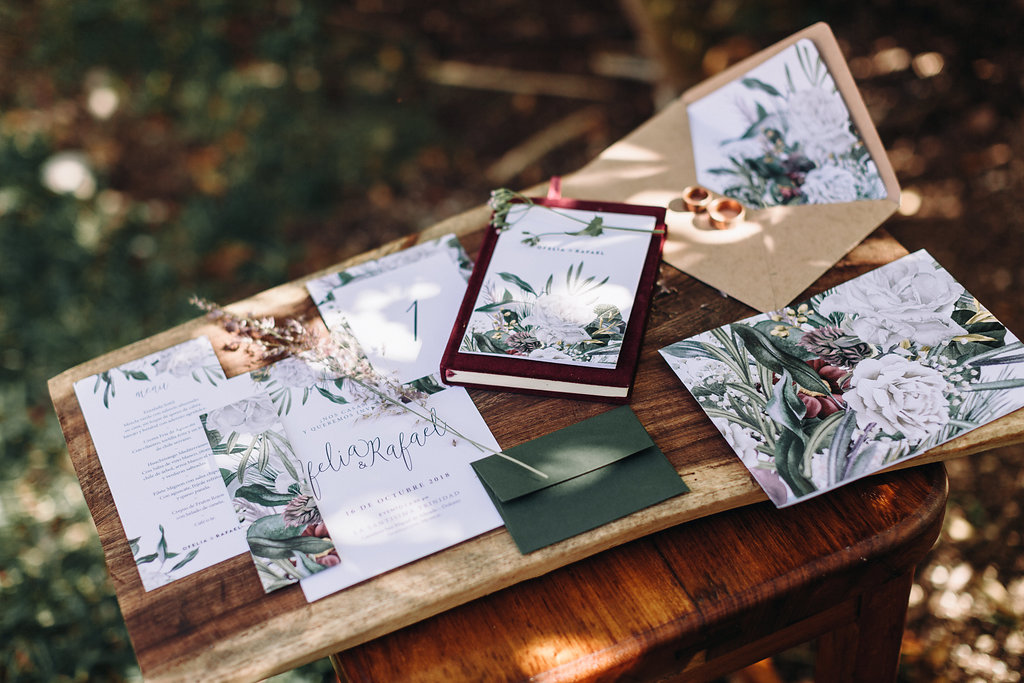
{"x":151,"y":151}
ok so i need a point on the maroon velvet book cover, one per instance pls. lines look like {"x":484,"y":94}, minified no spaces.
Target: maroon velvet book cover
{"x":558,"y":299}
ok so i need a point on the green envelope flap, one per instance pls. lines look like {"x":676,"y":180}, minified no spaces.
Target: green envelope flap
{"x":599,"y":470}
{"x":565,"y":454}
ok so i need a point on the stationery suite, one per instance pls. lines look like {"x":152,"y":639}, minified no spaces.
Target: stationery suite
{"x":332,"y":471}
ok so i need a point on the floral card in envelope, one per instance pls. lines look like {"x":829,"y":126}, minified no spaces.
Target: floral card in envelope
{"x":872,"y":372}
{"x":786,"y":134}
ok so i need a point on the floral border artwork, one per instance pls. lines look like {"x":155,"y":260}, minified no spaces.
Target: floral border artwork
{"x":867,"y":374}
{"x":194,"y":357}
{"x":559,"y":322}
{"x":782,"y":135}
{"x":287,"y":536}
{"x":153,"y":568}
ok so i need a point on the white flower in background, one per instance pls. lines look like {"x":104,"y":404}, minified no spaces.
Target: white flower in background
{"x":819,"y":469}
{"x":820,"y":123}
{"x":68,"y":173}
{"x":898,"y":395}
{"x":181,"y":360}
{"x":830,"y":184}
{"x":907,"y":300}
{"x":869,"y":182}
{"x":249,"y":416}
{"x":559,"y":318}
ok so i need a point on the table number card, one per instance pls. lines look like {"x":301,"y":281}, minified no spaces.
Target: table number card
{"x":143,"y":419}
{"x":400,"y":307}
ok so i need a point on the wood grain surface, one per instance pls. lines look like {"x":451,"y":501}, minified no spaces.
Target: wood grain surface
{"x":704,"y":599}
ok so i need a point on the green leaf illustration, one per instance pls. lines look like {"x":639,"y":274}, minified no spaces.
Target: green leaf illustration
{"x":688,"y":349}
{"x":519,"y":282}
{"x":786,"y":408}
{"x":258,"y":493}
{"x":765,"y":352}
{"x":486,"y":344}
{"x":333,"y":398}
{"x":757,"y":84}
{"x":146,"y":559}
{"x":188,"y":558}
{"x":269,"y":537}
{"x":789,"y":460}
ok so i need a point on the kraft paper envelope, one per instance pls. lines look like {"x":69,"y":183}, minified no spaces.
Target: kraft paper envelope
{"x":777,"y":252}
{"x":599,"y":470}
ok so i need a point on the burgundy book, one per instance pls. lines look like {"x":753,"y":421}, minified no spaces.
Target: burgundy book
{"x":558,"y":299}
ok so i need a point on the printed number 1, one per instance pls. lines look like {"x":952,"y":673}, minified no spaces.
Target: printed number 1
{"x":415,"y":308}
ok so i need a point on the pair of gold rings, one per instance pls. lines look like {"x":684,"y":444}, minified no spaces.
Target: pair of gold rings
{"x":722,"y":211}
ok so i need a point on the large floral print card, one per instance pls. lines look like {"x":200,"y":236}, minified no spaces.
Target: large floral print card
{"x":143,"y":418}
{"x":875,"y":371}
{"x":785,"y":133}
{"x":558,"y":299}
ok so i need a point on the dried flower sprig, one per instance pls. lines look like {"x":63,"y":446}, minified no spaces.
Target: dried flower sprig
{"x":503,"y":199}
{"x":337,"y":353}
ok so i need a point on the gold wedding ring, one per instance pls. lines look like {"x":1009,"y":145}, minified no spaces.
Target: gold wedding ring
{"x":696,"y":198}
{"x":723,"y":212}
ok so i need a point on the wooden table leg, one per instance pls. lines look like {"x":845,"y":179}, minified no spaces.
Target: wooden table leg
{"x":868,"y":650}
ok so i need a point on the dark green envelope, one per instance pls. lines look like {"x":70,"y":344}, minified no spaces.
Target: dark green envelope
{"x":599,"y":470}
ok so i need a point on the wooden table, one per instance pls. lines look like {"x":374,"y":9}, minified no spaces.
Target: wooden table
{"x":698,"y":600}
{"x":218,"y":624}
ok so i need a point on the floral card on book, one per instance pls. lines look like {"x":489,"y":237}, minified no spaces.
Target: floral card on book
{"x":875,"y":371}
{"x":558,"y":299}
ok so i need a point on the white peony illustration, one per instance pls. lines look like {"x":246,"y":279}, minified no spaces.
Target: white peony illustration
{"x":908,"y":300}
{"x":253,"y":415}
{"x":549,"y":353}
{"x":296,"y":373}
{"x":559,"y":318}
{"x":820,"y":123}
{"x":182,"y":359}
{"x":830,"y":184}
{"x":898,"y":395}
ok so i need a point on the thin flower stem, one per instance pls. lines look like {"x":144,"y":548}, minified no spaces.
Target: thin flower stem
{"x":276,"y":341}
{"x":405,"y":406}
{"x":529,"y":202}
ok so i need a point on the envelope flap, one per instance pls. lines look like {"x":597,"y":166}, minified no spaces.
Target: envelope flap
{"x":565,"y":454}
